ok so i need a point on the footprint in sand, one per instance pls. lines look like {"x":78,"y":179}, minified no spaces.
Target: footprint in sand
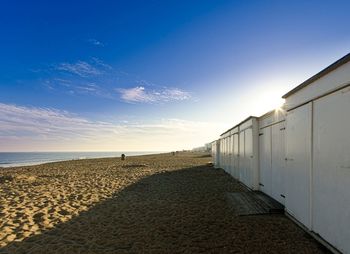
{"x":38,"y":217}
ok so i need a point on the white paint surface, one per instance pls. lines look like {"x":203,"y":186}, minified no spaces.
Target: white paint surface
{"x":272,"y":158}
{"x":242,"y":163}
{"x":333,"y":80}
{"x":265,"y":176}
{"x":331,"y":175}
{"x":236,"y":156}
{"x":278,"y":163}
{"x":248,"y":153}
{"x":298,"y":153}
{"x":231,"y":167}
{"x":215,"y":153}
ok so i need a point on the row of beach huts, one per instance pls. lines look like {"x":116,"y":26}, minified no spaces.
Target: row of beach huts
{"x":299,"y":154}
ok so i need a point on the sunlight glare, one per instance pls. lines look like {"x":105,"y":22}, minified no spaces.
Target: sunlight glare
{"x":266,"y":101}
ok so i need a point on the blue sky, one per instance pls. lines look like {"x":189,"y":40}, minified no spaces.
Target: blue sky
{"x":153,"y":75}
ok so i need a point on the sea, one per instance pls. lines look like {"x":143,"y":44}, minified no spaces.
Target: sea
{"x":14,"y":159}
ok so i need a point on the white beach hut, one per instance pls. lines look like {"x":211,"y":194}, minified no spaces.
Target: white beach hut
{"x":318,"y":154}
{"x":223,"y":151}
{"x":221,"y":156}
{"x":230,"y":154}
{"x":215,"y":153}
{"x":300,"y":155}
{"x":248,"y":148}
{"x":226,"y":137}
{"x":235,"y":152}
{"x":272,"y":154}
{"x":242,"y":152}
{"x":224,"y":163}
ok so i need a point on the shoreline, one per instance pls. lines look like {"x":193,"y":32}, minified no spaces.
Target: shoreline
{"x":28,"y":164}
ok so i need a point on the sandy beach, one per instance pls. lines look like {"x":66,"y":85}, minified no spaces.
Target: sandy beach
{"x":145,"y":204}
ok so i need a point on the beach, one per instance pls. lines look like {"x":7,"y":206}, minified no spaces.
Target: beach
{"x":146,"y":204}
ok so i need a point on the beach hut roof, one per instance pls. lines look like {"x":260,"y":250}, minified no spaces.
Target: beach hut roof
{"x":322,"y":73}
{"x":249,"y":117}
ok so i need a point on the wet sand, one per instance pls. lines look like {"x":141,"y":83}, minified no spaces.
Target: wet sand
{"x":146,"y":204}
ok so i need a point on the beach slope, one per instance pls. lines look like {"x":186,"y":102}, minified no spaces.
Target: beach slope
{"x":146,"y":204}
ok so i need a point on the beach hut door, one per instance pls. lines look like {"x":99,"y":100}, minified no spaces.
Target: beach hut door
{"x":298,"y":163}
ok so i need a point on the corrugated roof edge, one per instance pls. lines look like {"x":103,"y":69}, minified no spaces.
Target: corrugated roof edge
{"x":239,"y":124}
{"x":322,"y":73}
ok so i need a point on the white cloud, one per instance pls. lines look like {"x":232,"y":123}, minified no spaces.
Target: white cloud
{"x":89,"y":73}
{"x":94,"y":77}
{"x":100,"y":63}
{"x":92,"y":89}
{"x":89,"y":88}
{"x":80,"y":68}
{"x":32,"y":128}
{"x":136,"y":94}
{"x":77,"y":87}
{"x":143,"y":95}
{"x":95,"y":42}
{"x":32,"y":121}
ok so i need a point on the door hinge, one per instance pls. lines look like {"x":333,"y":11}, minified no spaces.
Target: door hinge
{"x":261,"y":184}
{"x":260,"y":134}
{"x":282,"y":129}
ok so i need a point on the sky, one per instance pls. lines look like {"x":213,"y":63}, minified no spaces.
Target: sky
{"x":154,"y":75}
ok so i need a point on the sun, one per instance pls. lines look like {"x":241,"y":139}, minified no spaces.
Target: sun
{"x":267,"y":101}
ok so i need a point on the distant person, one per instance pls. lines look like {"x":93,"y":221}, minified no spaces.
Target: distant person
{"x":123,"y":157}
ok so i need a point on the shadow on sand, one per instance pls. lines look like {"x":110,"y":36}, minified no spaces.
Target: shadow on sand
{"x":181,"y":211}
